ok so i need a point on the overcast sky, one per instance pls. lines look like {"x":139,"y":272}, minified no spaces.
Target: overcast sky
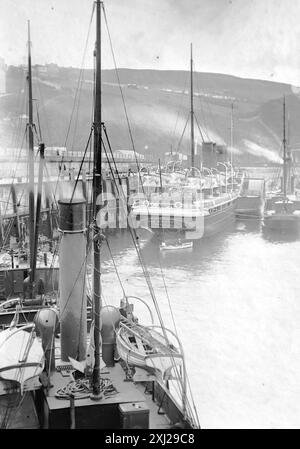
{"x":248,"y":38}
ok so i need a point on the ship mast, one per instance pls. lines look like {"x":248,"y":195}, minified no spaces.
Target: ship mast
{"x":97,"y":189}
{"x":284,"y":154}
{"x":30,"y":161}
{"x":192,"y":117}
{"x":231,"y":146}
{"x":290,"y":186}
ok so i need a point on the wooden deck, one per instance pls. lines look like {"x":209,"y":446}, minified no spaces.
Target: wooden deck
{"x":106,"y":413}
{"x":134,"y":404}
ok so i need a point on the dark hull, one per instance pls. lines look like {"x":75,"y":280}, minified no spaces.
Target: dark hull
{"x":217,"y":221}
{"x":28,"y":314}
{"x":249,"y":207}
{"x":282,"y":222}
{"x":214,"y":223}
{"x":11,"y":281}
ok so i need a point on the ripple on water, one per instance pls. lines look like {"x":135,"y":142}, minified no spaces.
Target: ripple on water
{"x":236,"y":301}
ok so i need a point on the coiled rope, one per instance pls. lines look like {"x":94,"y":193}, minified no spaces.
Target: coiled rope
{"x":80,"y":389}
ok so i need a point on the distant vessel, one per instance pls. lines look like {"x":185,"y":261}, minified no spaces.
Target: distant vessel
{"x":251,"y":201}
{"x":282,"y":210}
{"x":175,"y":246}
{"x":25,"y":267}
{"x":198,"y":202}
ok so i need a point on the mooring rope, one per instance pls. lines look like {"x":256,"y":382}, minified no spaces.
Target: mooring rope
{"x":81,"y":389}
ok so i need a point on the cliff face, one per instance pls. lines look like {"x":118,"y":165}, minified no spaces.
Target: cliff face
{"x":157,"y":104}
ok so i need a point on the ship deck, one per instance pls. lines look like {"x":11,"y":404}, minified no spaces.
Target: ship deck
{"x":107,"y":412}
{"x":114,"y":411}
{"x":134,"y":403}
{"x":138,"y":402}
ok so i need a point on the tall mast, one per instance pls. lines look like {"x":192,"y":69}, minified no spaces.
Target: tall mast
{"x":192,"y":116}
{"x":231,"y":131}
{"x":290,"y":186}
{"x":231,"y":145}
{"x":284,"y":153}
{"x":30,"y":160}
{"x":38,"y":208}
{"x":97,"y":189}
{"x":160,"y":179}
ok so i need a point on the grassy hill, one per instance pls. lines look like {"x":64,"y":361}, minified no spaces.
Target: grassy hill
{"x":157,"y":104}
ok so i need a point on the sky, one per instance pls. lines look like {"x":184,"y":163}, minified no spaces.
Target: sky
{"x":248,"y":38}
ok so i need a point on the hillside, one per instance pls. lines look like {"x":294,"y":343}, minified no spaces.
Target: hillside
{"x":157,"y":104}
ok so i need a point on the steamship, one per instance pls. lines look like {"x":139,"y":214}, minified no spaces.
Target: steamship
{"x":119,"y":374}
{"x":211,"y":194}
{"x":187,"y":203}
{"x":190,"y":207}
{"x":282,"y":210}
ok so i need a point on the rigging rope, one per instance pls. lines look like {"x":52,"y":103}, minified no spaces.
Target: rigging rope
{"x":181,"y":137}
{"x":78,"y":89}
{"x":134,"y":236}
{"x":180,"y":105}
{"x":202,"y":112}
{"x":199,"y":129}
{"x":9,"y":195}
{"x":123,"y":99}
{"x":81,"y":164}
{"x":114,"y":264}
{"x":138,"y":250}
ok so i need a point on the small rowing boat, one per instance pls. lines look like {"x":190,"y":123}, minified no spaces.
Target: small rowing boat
{"x":174,"y":246}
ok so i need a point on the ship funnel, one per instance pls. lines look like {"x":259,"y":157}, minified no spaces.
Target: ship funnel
{"x":72,"y":269}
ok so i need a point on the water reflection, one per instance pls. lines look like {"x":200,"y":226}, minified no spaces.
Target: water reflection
{"x":235,"y":299}
{"x":204,"y":252}
{"x":280,"y":235}
{"x":249,"y":225}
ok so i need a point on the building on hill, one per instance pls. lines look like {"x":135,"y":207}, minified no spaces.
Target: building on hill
{"x":124,"y":160}
{"x":128,"y":154}
{"x":56,"y":151}
{"x":175,"y":156}
{"x":52,"y":69}
{"x":39,"y":69}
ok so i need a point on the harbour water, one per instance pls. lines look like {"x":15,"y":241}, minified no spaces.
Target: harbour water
{"x":235,"y":300}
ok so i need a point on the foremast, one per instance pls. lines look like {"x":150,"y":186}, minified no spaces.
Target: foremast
{"x":30,"y":161}
{"x":231,"y":146}
{"x":97,"y":190}
{"x":285,"y":159}
{"x":192,"y":115}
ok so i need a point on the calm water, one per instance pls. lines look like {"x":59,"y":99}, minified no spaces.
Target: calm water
{"x":236,"y":302}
